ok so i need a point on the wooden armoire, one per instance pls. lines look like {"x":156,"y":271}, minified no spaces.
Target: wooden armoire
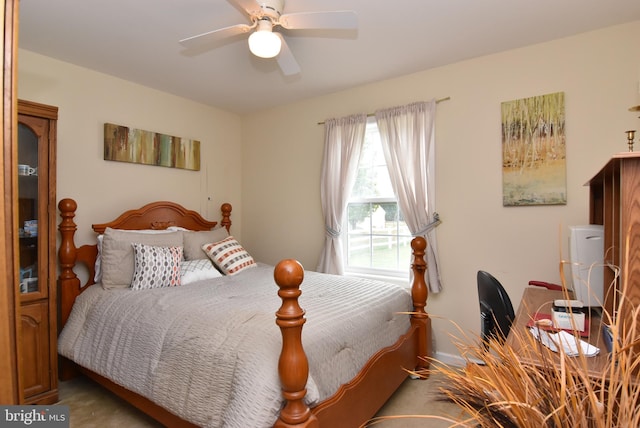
{"x":35,"y":200}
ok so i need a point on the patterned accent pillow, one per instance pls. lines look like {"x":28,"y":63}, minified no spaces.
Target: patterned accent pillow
{"x":229,"y":256}
{"x":197,"y":270}
{"x":155,"y":267}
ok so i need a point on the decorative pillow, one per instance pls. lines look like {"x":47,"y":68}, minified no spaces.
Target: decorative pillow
{"x":117,"y":253}
{"x":193,"y":242}
{"x":197,"y":270}
{"x":229,"y":256}
{"x":156,"y":267}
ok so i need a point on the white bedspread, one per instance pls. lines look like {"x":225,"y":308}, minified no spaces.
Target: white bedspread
{"x":208,"y":351}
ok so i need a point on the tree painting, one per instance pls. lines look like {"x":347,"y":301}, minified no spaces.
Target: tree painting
{"x":533,"y":151}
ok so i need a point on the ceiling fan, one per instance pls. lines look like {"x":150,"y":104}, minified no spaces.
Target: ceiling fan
{"x":265,"y":16}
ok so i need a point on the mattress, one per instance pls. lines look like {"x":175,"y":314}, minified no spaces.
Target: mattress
{"x":208,"y":351}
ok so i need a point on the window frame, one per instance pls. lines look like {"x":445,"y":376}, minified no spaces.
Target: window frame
{"x":373,"y":272}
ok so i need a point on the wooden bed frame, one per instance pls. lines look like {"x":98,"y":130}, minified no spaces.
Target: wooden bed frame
{"x":352,"y":405}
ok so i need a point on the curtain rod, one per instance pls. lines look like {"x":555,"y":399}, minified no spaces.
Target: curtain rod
{"x":373,"y":114}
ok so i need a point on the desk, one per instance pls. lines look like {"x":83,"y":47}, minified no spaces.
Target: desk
{"x":537,"y":299}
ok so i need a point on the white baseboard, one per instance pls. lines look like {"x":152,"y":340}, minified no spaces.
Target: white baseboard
{"x":453,"y":360}
{"x":449,"y":359}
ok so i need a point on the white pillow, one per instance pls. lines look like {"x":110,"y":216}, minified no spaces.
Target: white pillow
{"x":156,"y":267}
{"x":229,"y":256}
{"x":197,"y":270}
{"x":97,"y":268}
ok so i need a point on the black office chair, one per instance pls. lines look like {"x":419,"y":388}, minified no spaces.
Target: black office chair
{"x":496,"y":310}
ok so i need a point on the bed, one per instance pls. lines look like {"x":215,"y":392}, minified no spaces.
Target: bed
{"x":193,"y":361}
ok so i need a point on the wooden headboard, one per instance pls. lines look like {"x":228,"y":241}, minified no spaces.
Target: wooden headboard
{"x":163,"y":214}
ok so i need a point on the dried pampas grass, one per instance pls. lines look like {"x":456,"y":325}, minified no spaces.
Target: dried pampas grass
{"x":499,"y":388}
{"x":505,"y":391}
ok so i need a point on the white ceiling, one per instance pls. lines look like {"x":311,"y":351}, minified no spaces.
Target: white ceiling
{"x":137,"y":40}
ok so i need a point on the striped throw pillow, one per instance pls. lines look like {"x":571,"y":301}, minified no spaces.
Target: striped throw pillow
{"x":229,"y":256}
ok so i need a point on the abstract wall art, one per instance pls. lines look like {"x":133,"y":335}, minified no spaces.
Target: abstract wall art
{"x":125,"y":144}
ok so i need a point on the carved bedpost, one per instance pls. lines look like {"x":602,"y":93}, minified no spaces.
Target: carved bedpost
{"x":419,"y":294}
{"x":67,"y":258}
{"x":226,"y":216}
{"x":293,"y":366}
{"x":67,"y":281}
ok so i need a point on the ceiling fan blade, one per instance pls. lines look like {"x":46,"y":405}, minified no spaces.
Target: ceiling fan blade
{"x":215,"y":35}
{"x":336,"y":20}
{"x":252,"y":7}
{"x":286,"y":60}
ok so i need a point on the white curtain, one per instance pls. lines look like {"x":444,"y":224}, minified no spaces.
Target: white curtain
{"x":408,"y":141}
{"x":344,"y":138}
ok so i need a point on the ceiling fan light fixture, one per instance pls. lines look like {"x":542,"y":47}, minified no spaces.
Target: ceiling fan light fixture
{"x":263,"y":42}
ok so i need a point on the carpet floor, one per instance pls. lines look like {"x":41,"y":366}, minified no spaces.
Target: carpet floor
{"x":92,"y":406}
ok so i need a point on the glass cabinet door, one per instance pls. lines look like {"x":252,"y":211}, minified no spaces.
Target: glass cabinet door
{"x":30,"y":132}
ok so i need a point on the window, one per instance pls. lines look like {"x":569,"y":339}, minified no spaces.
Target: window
{"x":377,"y":241}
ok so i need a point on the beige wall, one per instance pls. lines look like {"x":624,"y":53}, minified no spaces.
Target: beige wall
{"x":599,"y":73}
{"x":103,"y":189}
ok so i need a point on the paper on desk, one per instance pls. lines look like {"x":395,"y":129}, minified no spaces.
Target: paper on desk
{"x":567,"y":341}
